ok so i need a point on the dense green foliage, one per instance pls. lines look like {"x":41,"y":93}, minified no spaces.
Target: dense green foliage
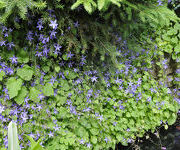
{"x":84,"y":81}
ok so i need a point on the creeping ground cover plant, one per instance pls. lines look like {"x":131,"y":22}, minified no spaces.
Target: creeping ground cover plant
{"x":71,"y":80}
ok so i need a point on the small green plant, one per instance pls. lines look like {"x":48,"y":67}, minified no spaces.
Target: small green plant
{"x":13,"y":141}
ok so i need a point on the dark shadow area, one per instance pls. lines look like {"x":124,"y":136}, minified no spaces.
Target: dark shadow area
{"x":167,"y":140}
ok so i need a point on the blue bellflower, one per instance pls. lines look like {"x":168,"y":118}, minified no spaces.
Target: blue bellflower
{"x":53,"y":24}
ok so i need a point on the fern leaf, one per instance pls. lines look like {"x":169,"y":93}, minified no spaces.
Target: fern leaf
{"x":76,"y":4}
{"x":100,"y":4}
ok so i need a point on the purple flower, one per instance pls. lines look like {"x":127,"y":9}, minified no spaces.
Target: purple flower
{"x":177,"y":99}
{"x":6,"y":34}
{"x":26,"y":99}
{"x":139,"y":81}
{"x":159,"y":3}
{"x":81,"y":141}
{"x":70,"y":64}
{"x":2,"y":43}
{"x":100,"y":117}
{"x":178,"y":71}
{"x":14,"y":60}
{"x":69,"y":55}
{"x":10,"y":45}
{"x":9,"y":71}
{"x":106,"y":139}
{"x":56,"y":128}
{"x":53,"y":24}
{"x":4,"y":28}
{"x":57,"y":47}
{"x":41,"y":36}
{"x":53,"y":34}
{"x":83,"y":58}
{"x":149,"y":99}
{"x":89,"y":145}
{"x":40,"y":22}
{"x":82,"y":63}
{"x":30,"y":116}
{"x":40,"y":26}
{"x":121,"y":106}
{"x":94,"y":79}
{"x":39,"y":107}
{"x":38,"y":54}
{"x":29,"y":37}
{"x":24,"y":116}
{"x":128,"y":130}
{"x":5,"y":141}
{"x":32,"y":135}
{"x":76,"y":24}
{"x":50,"y":134}
{"x":53,"y":79}
{"x":45,"y":51}
{"x":177,"y":79}
{"x":69,"y":102}
{"x":78,"y":81}
{"x":130,"y":83}
{"x":27,"y":106}
{"x":41,"y":96}
{"x":1,"y":108}
{"x":118,"y":81}
{"x":114,"y":123}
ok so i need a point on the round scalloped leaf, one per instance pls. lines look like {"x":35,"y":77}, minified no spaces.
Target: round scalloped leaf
{"x":21,"y":95}
{"x":48,"y":90}
{"x":13,"y":86}
{"x":25,"y":73}
{"x":33,"y":94}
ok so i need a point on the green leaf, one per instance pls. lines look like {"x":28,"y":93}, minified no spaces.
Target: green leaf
{"x":2,"y":74}
{"x":2,"y":4}
{"x":65,"y":85}
{"x":62,"y":112}
{"x":174,"y":40}
{"x":70,"y":74}
{"x":81,"y":132}
{"x":65,"y":57}
{"x":61,"y":100}
{"x":76,"y":4}
{"x":45,"y":68}
{"x":57,"y":68}
{"x":40,"y":5}
{"x":146,"y":86}
{"x":119,"y":137}
{"x":33,"y":94}
{"x":23,"y":56}
{"x":94,"y":131}
{"x":13,"y":86}
{"x":13,"y":142}
{"x":21,"y":95}
{"x":100,"y":4}
{"x":116,"y":2}
{"x":172,"y":119}
{"x":177,"y":48}
{"x":87,"y":6}
{"x":48,"y":90}
{"x":25,"y":73}
{"x":35,"y":145}
{"x":174,"y":56}
{"x":94,"y":139}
